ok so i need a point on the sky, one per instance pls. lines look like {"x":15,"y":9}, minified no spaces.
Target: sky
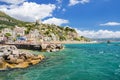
{"x":91,"y":18}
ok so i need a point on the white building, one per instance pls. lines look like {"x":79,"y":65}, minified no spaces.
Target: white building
{"x":1,"y":37}
{"x":7,"y":30}
{"x":34,"y":33}
{"x":19,"y":31}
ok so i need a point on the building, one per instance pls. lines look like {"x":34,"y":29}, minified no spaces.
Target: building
{"x":54,"y":37}
{"x":2,"y":37}
{"x":34,"y":36}
{"x":19,"y":31}
{"x":34,"y":33}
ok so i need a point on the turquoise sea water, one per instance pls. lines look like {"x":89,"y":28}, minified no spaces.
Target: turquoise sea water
{"x":75,"y":62}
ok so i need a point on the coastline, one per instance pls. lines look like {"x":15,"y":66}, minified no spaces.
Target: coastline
{"x":72,"y":42}
{"x":23,"y":58}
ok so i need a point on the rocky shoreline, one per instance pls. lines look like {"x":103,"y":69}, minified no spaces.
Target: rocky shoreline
{"x":11,"y":57}
{"x":51,"y":47}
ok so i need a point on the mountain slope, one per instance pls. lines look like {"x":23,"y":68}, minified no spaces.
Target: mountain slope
{"x":51,"y":31}
{"x":6,"y":20}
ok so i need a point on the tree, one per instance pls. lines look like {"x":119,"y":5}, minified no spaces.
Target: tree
{"x":62,"y":38}
{"x":81,"y":36}
{"x":7,"y":35}
{"x":76,"y":38}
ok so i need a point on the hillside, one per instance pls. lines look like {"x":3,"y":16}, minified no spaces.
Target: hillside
{"x":7,"y":21}
{"x":56,"y":33}
{"x":51,"y":31}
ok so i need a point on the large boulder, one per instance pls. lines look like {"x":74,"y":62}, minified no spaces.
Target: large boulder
{"x":12,"y":47}
{"x":54,"y":47}
{"x":44,"y":46}
{"x":2,"y":63}
{"x":2,"y":48}
{"x":11,"y":57}
{"x":59,"y":46}
{"x":15,"y":52}
{"x":19,"y":61}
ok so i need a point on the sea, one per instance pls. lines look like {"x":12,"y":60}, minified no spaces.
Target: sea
{"x":100,"y":61}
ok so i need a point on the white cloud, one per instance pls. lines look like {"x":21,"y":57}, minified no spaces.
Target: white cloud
{"x":74,"y":2}
{"x":56,"y":21}
{"x":99,"y":34}
{"x":29,"y":11}
{"x":13,"y":1}
{"x":110,"y":24}
{"x":63,"y":9}
{"x":59,"y":1}
{"x":59,"y":4}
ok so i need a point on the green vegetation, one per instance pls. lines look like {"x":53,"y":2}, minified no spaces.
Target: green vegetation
{"x":69,"y":29}
{"x":7,"y":21}
{"x":7,"y":35}
{"x":77,"y":39}
{"x":62,"y":38}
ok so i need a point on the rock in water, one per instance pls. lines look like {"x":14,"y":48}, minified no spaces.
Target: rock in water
{"x":52,"y":47}
{"x":11,"y":57}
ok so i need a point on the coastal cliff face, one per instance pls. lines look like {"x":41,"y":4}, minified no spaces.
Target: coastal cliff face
{"x":11,"y":57}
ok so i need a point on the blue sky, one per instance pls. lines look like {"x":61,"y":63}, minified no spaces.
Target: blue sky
{"x":91,"y":18}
